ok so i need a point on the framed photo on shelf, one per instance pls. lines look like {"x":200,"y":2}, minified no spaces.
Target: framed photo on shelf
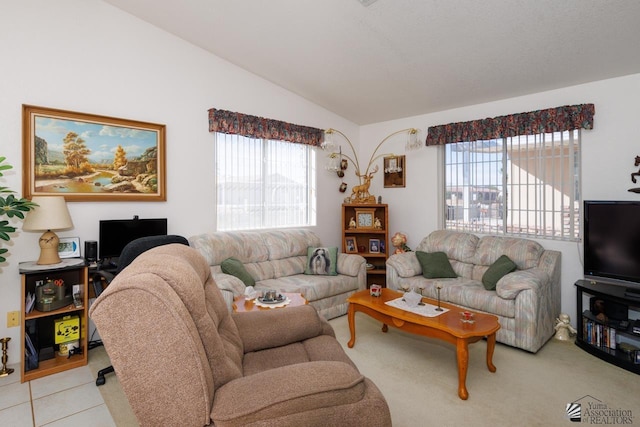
{"x":350,"y":245}
{"x":394,"y":171}
{"x":86,"y":157}
{"x":374,"y":246}
{"x":69,"y":247}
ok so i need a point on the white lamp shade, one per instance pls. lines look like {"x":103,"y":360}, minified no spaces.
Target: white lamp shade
{"x":50,"y":214}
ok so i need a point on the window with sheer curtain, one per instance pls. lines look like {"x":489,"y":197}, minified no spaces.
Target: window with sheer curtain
{"x":517,"y":174}
{"x":264,"y":183}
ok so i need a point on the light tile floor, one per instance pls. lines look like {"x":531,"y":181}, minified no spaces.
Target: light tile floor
{"x":69,"y":399}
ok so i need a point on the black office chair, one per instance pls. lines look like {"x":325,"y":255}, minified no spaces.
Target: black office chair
{"x":129,"y":253}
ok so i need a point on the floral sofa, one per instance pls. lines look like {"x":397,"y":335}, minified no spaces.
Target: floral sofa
{"x":277,"y":259}
{"x":526,"y":301}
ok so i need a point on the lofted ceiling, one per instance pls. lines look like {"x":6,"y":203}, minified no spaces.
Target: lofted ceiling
{"x":400,"y":58}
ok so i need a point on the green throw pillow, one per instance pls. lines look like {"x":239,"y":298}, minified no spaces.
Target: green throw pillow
{"x":235,"y":268}
{"x":435,"y":265}
{"x":322,"y":261}
{"x":496,"y":271}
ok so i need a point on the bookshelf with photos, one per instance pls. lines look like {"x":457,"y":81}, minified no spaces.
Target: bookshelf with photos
{"x":365,"y":231}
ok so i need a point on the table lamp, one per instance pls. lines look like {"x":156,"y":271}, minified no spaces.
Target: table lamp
{"x":50,"y":214}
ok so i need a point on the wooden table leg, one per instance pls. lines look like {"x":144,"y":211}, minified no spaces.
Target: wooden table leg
{"x":491,"y":345}
{"x":351,"y":315}
{"x":462,"y":350}
{"x":385,"y":328}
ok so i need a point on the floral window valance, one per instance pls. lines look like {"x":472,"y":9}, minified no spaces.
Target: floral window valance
{"x":258,"y":127}
{"x":568,"y":117}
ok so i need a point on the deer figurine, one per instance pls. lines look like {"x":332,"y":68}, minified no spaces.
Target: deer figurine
{"x":360,"y":193}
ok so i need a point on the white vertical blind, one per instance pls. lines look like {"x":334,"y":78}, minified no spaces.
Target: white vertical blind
{"x":264,"y":183}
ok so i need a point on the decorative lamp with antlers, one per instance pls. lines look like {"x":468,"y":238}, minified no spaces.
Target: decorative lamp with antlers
{"x":337,"y":163}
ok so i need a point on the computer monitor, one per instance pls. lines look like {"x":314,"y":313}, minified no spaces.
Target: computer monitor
{"x":115,"y":234}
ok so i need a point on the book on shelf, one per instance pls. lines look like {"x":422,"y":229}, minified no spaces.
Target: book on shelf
{"x":29,"y":302}
{"x":598,"y":334}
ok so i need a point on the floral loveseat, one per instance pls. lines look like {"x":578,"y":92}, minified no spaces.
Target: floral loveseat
{"x":526,"y":301}
{"x":277,"y":260}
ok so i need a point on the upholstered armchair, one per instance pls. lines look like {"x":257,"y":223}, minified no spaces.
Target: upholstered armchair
{"x":184,"y":360}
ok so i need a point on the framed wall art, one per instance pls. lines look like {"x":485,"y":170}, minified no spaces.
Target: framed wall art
{"x":394,"y":171}
{"x":86,"y":157}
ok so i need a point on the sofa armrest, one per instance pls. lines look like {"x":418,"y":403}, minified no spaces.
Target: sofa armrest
{"x":513,"y":283}
{"x":350,"y":264}
{"x":300,"y":388}
{"x":405,"y":264}
{"x":227,"y":282}
{"x":274,"y":328}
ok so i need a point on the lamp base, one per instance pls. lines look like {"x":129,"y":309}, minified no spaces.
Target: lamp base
{"x":49,"y":248}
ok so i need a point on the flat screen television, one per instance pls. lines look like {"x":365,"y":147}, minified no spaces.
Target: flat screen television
{"x":116,"y":233}
{"x":612,"y":241}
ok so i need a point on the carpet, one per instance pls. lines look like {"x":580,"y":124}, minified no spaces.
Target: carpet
{"x":418,"y":377}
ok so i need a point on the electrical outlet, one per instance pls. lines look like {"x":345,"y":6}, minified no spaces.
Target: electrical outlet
{"x":13,"y":319}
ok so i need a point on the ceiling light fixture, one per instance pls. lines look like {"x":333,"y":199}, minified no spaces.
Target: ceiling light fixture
{"x":367,"y":3}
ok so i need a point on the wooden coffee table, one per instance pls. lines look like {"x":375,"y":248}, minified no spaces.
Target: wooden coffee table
{"x":447,"y":327}
{"x":241,"y":304}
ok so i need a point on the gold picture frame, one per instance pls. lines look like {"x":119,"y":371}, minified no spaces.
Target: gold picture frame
{"x":395,"y":171}
{"x":365,"y":218}
{"x":86,"y":157}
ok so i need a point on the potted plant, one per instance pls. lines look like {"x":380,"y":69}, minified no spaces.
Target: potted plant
{"x":11,"y":206}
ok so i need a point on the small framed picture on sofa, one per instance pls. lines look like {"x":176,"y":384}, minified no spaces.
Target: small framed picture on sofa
{"x":374,"y":246}
{"x":350,"y":245}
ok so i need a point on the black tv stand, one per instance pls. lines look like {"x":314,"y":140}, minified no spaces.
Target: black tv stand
{"x":632,"y":293}
{"x":608,"y":338}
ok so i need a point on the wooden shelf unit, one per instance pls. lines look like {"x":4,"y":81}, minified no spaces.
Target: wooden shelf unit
{"x":362,"y":236}
{"x":42,"y":321}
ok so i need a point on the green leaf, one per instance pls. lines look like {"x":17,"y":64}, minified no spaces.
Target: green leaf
{"x":4,"y":167}
{"x":12,"y":206}
{"x":5,"y":229}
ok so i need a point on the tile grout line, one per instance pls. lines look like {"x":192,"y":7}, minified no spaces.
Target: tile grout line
{"x":33,"y":414}
{"x":75,"y":413}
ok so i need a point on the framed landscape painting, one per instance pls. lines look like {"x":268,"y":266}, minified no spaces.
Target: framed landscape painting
{"x":86,"y":157}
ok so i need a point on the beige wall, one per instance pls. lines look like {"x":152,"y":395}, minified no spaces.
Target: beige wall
{"x":87,"y":56}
